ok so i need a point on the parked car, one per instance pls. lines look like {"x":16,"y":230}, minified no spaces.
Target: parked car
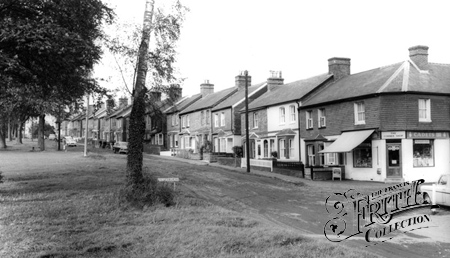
{"x":70,"y":141}
{"x":120,"y":147}
{"x":442,"y":190}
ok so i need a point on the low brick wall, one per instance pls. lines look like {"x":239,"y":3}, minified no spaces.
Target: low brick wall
{"x":232,"y":162}
{"x":152,"y":149}
{"x":288,"y":172}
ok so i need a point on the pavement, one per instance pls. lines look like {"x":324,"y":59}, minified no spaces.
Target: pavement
{"x":290,"y":179}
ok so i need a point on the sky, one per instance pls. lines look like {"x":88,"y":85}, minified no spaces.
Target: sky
{"x":221,"y":38}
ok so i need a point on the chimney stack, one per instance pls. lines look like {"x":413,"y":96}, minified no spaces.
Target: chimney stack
{"x":240,"y":80}
{"x":419,"y":55}
{"x":274,"y":80}
{"x":155,"y":96}
{"x":206,"y":88}
{"x":339,"y":67}
{"x":123,"y":102}
{"x":175,"y":92}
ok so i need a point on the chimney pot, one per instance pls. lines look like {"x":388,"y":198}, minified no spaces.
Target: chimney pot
{"x":339,"y":67}
{"x":419,"y":55}
{"x":206,"y":88}
{"x":240,"y":80}
{"x":274,"y":80}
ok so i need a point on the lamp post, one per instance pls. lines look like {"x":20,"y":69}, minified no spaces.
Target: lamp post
{"x":247,"y":140}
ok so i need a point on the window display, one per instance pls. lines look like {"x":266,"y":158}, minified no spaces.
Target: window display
{"x":423,"y":153}
{"x":362,"y":156}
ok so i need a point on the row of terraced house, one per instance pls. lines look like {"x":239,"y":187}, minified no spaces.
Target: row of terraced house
{"x":390,"y":124}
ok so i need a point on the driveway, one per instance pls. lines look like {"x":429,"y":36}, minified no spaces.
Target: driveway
{"x":300,"y":204}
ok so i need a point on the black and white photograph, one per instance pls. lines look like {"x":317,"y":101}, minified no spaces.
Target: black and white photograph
{"x":207,"y":128}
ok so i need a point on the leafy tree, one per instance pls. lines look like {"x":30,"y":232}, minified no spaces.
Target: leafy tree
{"x":47,"y":51}
{"x":166,"y":30}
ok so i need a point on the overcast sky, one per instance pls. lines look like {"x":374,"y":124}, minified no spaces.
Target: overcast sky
{"x":221,"y":38}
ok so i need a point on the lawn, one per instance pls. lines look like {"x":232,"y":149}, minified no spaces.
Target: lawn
{"x":61,"y":204}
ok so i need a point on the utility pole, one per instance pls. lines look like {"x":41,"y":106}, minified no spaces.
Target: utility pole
{"x":247,"y":138}
{"x":86,"y":129}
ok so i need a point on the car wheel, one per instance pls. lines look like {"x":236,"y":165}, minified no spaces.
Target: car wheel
{"x":426,"y":198}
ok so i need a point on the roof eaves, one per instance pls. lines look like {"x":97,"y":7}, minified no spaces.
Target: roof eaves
{"x":251,"y":94}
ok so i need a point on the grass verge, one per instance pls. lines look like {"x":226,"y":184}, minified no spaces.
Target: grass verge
{"x":71,"y":209}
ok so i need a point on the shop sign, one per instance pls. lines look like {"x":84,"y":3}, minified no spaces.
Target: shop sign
{"x":393,"y":135}
{"x":428,"y":135}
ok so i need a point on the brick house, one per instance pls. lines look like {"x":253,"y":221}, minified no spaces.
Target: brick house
{"x":273,"y":117}
{"x":173,"y":119}
{"x":196,"y":120}
{"x":226,"y":117}
{"x":388,"y":124}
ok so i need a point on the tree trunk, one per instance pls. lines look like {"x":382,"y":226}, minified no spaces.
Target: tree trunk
{"x":2,"y":135}
{"x":10,"y":138}
{"x":137,"y":124}
{"x":41,"y":142}
{"x":20,"y":135}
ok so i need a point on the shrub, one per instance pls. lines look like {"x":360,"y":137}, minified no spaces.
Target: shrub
{"x":238,"y":151}
{"x":148,"y":193}
{"x":274,"y":154}
{"x":1,"y":177}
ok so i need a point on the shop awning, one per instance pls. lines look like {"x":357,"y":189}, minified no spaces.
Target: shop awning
{"x":347,"y":141}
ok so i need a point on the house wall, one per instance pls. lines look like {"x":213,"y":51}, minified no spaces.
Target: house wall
{"x":340,"y":117}
{"x":228,"y":119}
{"x":400,"y":112}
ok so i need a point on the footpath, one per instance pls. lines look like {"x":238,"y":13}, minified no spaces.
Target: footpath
{"x":240,"y":170}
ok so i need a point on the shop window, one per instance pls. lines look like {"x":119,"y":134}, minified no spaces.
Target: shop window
{"x":311,"y":155}
{"x":424,"y":110}
{"x":423,"y":153}
{"x":362,"y":156}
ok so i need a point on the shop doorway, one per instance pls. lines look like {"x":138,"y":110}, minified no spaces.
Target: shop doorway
{"x":394,"y":160}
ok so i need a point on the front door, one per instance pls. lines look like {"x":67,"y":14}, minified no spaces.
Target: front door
{"x":394,"y":162}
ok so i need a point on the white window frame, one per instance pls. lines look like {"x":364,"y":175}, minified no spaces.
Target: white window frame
{"x":424,"y":110}
{"x":222,"y":119}
{"x":322,"y":118}
{"x":309,"y":119}
{"x":282,"y":143}
{"x":173,"y":119}
{"x":360,"y":113}
{"x":202,"y":119}
{"x":255,"y":120}
{"x":291,"y":148}
{"x":187,"y":120}
{"x":311,"y":155}
{"x":292,"y":113}
{"x":216,"y":120}
{"x":282,"y":115}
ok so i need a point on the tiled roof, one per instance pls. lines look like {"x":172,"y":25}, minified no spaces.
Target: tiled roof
{"x":399,"y":77}
{"x":236,"y":97}
{"x":210,"y":100}
{"x":288,"y":92}
{"x":184,"y":103}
